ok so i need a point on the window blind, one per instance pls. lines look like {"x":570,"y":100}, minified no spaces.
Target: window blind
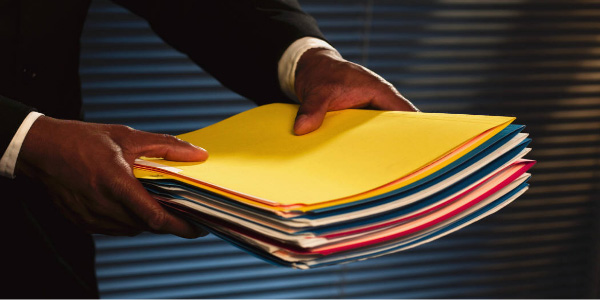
{"x":538,"y":61}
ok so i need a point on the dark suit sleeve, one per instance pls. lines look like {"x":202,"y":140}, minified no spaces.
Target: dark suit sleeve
{"x":238,"y":42}
{"x":12,"y":114}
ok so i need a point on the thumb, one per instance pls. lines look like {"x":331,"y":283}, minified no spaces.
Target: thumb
{"x":168,"y":147}
{"x":311,"y":114}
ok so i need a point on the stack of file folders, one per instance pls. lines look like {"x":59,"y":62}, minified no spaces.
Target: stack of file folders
{"x":366,"y":184}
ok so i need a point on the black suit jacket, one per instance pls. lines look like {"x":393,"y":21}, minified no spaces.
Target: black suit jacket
{"x":237,"y":41}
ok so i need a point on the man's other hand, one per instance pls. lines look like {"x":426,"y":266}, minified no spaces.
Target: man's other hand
{"x":88,"y":169}
{"x":326,"y":82}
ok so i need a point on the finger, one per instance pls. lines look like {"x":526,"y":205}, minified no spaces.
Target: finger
{"x":92,"y":221}
{"x":109,"y":226}
{"x":392,"y":100}
{"x":95,"y":212}
{"x":173,"y":210}
{"x":117,"y":218}
{"x":310,"y":116}
{"x":167,"y":147}
{"x":154,"y":215}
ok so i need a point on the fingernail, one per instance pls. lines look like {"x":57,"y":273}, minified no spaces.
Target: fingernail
{"x":300,"y":120}
{"x":199,"y":148}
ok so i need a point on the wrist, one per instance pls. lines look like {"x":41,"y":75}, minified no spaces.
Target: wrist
{"x":34,"y":146}
{"x":8,"y":160}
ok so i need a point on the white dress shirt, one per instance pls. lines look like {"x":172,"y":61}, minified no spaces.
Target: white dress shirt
{"x":286,"y":71}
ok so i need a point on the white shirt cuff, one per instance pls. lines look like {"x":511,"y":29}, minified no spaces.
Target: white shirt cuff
{"x":9,"y":158}
{"x":286,"y":68}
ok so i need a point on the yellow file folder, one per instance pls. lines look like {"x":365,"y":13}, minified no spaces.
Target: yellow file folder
{"x":255,"y":158}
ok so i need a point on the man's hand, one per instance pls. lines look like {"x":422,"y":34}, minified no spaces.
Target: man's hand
{"x":326,"y":82}
{"x":88,"y":169}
